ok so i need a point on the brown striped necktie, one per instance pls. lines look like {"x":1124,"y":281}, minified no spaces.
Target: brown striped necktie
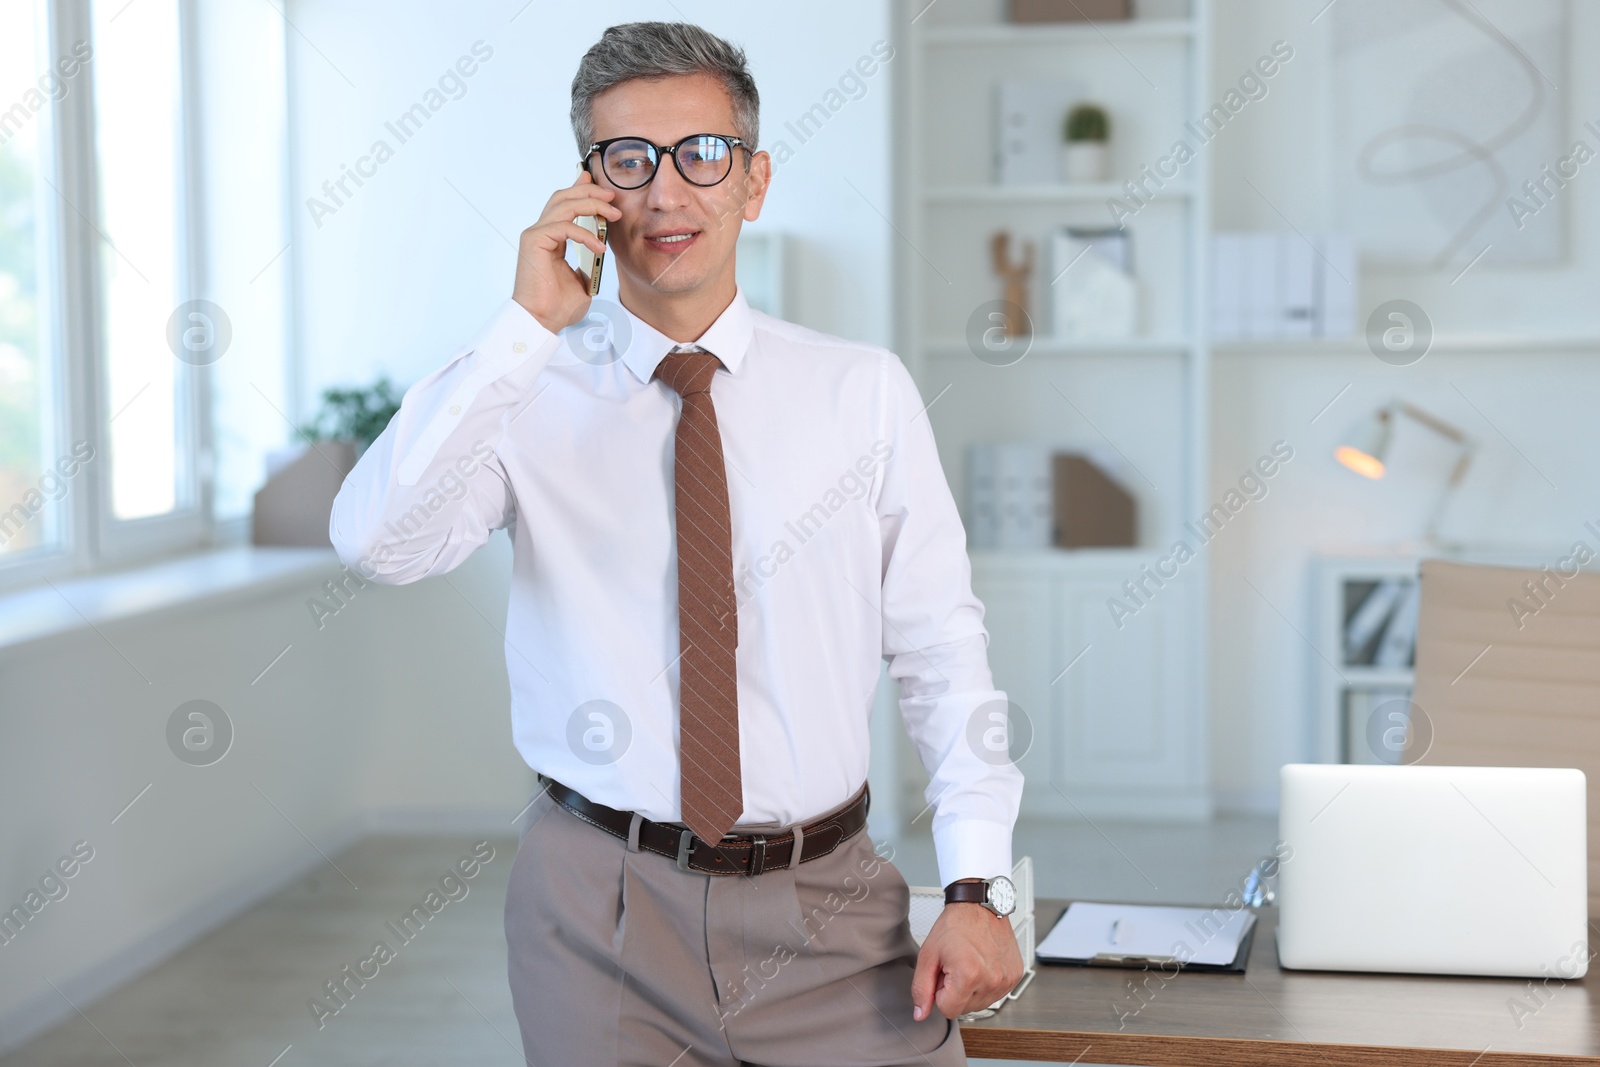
{"x":708,"y":622}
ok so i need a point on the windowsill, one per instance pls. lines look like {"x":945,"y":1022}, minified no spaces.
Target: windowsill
{"x":41,"y":613}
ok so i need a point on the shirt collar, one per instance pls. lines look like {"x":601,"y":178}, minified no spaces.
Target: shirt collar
{"x":727,"y":339}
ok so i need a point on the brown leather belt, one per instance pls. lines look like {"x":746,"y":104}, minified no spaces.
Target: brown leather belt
{"x":736,"y":853}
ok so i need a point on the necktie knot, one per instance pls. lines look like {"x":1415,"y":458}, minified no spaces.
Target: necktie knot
{"x":688,"y":372}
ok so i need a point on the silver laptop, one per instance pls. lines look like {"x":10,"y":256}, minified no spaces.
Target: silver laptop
{"x":1433,"y":870}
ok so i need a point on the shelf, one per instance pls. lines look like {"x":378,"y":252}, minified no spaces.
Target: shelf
{"x":1061,"y":33}
{"x":1464,"y":344}
{"x":80,"y":604}
{"x":1364,"y":559}
{"x":1378,"y":677}
{"x":1028,"y":194}
{"x":1051,"y":348}
{"x":1060,"y":560}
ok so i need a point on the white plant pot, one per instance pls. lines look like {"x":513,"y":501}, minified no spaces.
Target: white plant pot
{"x":1085,"y":161}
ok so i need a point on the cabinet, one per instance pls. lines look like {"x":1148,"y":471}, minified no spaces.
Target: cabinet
{"x":1106,"y":705}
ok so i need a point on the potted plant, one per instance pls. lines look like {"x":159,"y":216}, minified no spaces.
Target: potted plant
{"x":1085,"y":156}
{"x":357,"y":415}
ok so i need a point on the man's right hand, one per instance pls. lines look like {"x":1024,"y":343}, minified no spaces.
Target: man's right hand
{"x":553,"y":292}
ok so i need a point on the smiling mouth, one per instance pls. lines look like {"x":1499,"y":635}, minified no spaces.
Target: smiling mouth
{"x":673,"y":240}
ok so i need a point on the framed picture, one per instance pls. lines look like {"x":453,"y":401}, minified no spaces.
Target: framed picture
{"x":1448,"y":122}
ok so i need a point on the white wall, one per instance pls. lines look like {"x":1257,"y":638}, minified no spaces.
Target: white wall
{"x":1533,"y":483}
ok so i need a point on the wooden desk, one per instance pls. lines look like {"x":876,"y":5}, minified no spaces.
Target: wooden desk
{"x":1269,"y":1017}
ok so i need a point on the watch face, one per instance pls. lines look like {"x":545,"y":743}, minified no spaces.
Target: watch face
{"x":1002,"y":895}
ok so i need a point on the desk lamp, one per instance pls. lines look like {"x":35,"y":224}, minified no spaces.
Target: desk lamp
{"x":1365,"y":449}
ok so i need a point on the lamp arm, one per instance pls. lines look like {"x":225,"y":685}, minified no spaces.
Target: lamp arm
{"x":1468,"y":448}
{"x":1434,"y":423}
{"x":1465,"y":445}
{"x":1431,"y":534}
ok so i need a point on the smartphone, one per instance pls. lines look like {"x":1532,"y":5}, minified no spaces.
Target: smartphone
{"x":589,"y":264}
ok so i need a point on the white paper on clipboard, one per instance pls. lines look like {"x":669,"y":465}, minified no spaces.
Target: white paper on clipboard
{"x":1088,"y":929}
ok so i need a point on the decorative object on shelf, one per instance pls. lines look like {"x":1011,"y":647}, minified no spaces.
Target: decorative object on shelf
{"x":1024,"y":495}
{"x":1015,"y":276}
{"x":1365,"y":448}
{"x":1093,"y":292}
{"x":1008,"y":495}
{"x":1279,"y":285}
{"x":1068,"y":10}
{"x":1089,"y":508}
{"x":293,"y":506}
{"x":1381,"y":630}
{"x":1028,"y":117}
{"x":1085,"y":148}
{"x":1368,"y":607}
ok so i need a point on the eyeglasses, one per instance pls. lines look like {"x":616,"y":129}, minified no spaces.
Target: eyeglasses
{"x":631,"y":162}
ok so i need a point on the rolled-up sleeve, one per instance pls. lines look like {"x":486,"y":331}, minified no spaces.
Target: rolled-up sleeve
{"x":430,"y":489}
{"x":937,"y":647}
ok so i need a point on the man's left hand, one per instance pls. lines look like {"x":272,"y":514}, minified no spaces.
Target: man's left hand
{"x":968,"y":961}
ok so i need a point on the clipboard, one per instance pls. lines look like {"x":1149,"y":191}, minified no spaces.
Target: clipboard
{"x":1147,"y":960}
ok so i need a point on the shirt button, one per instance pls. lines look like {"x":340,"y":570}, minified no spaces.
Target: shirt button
{"x":519,"y":347}
{"x":455,"y":409}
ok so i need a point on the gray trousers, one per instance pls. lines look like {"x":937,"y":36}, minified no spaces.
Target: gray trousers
{"x":616,"y":957}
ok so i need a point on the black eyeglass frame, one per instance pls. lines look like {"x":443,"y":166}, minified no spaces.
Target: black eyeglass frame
{"x":667,"y":149}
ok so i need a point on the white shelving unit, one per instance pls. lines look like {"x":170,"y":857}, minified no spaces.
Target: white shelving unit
{"x":1118,"y":705}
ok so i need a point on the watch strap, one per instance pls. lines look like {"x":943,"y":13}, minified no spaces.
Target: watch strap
{"x":967,"y":893}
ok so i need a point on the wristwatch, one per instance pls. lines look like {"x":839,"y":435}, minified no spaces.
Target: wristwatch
{"x":996,"y":894}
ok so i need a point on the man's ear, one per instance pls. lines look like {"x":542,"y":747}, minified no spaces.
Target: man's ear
{"x":757,"y":182}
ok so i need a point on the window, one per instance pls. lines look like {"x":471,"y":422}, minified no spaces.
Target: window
{"x":139,"y":152}
{"x":30,"y":497}
{"x":143,"y":226}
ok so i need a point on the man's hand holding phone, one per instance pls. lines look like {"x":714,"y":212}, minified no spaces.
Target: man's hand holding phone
{"x":551,"y":290}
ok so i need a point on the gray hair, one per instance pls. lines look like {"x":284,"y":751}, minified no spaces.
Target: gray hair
{"x":659,"y":49}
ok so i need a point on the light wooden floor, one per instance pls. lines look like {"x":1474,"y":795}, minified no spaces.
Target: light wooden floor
{"x":238,"y":997}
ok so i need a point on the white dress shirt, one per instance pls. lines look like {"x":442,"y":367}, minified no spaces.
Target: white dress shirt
{"x":847,"y":549}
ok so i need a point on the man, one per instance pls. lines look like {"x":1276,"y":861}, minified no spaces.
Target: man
{"x":722,"y":523}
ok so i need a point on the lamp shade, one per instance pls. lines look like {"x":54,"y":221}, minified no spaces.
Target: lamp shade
{"x":1365,"y":447}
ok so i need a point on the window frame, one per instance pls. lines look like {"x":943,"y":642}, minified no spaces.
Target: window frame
{"x":73,"y":350}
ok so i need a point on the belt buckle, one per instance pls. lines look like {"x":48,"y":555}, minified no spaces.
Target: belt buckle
{"x":685,"y":841}
{"x":758,"y":854}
